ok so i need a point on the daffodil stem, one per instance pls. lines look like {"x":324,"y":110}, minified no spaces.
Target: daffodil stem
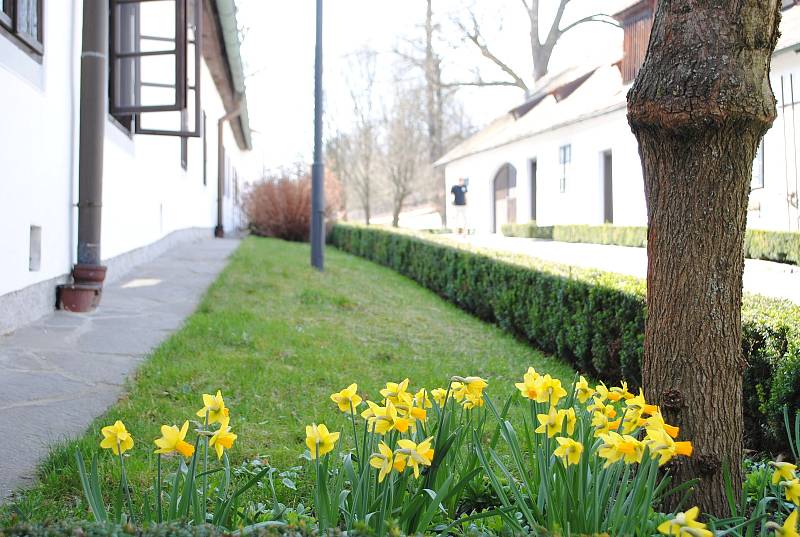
{"x":158,"y":487}
{"x":353,"y":421}
{"x":124,"y":482}
{"x":205,"y":470}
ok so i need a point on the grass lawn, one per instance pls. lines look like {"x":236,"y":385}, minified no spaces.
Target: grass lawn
{"x":278,"y":338}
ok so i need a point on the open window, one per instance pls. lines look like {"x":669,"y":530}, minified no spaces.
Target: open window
{"x":155,"y":53}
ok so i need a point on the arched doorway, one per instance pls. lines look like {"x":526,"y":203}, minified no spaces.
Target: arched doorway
{"x":505,"y":196}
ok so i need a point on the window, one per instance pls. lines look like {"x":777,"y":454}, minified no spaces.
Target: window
{"x":205,"y":152}
{"x":564,"y":158}
{"x":23,"y":19}
{"x":758,"y":168}
{"x":154,"y":66}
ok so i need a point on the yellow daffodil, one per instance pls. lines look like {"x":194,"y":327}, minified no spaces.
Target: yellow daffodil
{"x":582,"y":390}
{"x":601,"y":392}
{"x":384,"y":419}
{"x":439,"y":395}
{"x":550,"y":390}
{"x":214,"y":406}
{"x":569,"y":450}
{"x":789,"y":528}
{"x":792,"y":491}
{"x":569,"y":420}
{"x":413,"y":412}
{"x":397,"y":393}
{"x":416,"y":454}
{"x":603,"y":425}
{"x":421,"y":399}
{"x":664,"y":447}
{"x":784,"y":471}
{"x":619,"y":392}
{"x":319,"y":440}
{"x":223,"y":438}
{"x":383,"y":461}
{"x":685,"y":524}
{"x":472,"y":400}
{"x":598,"y":406}
{"x":116,"y":438}
{"x":617,"y":447}
{"x":348,"y":399}
{"x":656,"y":421}
{"x":173,"y":440}
{"x":529,"y":387}
{"x":640,"y":404}
{"x":550,"y":423}
{"x":458,"y":390}
{"x":461,"y":386}
{"x":632,"y":420}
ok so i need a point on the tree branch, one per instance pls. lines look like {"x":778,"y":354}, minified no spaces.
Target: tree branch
{"x":592,"y":18}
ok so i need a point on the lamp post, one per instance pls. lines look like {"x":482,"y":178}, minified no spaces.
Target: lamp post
{"x":318,"y":168}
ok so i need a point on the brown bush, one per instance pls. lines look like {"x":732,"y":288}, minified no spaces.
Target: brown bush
{"x":280,"y":205}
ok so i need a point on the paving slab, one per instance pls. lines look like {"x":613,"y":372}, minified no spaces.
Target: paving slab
{"x":777,"y":280}
{"x":61,"y":372}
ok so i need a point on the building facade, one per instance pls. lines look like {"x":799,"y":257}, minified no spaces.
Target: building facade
{"x":567,"y":155}
{"x":158,"y":189}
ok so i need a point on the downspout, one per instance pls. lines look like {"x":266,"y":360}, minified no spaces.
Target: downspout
{"x":219,"y":231}
{"x":88,"y":273}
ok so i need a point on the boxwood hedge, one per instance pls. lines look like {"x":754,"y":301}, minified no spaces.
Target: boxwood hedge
{"x":780,"y":246}
{"x":594,"y":320}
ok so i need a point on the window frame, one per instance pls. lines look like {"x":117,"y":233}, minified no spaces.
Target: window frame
{"x":564,"y":160}
{"x":10,"y":27}
{"x":760,"y":159}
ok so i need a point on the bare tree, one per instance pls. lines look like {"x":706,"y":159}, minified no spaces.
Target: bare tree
{"x":541,"y":51}
{"x":699,"y":107}
{"x":405,"y":161}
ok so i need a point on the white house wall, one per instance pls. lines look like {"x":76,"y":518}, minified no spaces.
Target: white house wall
{"x":582,"y":201}
{"x":146,"y":193}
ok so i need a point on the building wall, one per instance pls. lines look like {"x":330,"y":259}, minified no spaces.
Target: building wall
{"x":773,"y":206}
{"x":146,"y":193}
{"x":582,"y":200}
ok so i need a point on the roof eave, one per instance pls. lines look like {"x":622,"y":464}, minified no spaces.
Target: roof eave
{"x":226,"y":10}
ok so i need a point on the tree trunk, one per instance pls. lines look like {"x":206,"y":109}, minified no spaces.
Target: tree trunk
{"x":699,"y":106}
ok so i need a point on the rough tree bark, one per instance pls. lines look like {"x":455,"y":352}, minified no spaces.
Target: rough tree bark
{"x":699,"y":106}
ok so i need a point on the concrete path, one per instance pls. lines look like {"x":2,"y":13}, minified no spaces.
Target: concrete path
{"x":760,"y":277}
{"x":63,"y":371}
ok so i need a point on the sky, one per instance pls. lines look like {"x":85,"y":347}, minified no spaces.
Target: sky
{"x":278,"y":51}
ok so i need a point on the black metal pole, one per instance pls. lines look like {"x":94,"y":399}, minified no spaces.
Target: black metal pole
{"x":318,"y":168}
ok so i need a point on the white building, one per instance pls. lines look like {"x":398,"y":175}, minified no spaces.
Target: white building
{"x":157,"y":190}
{"x":567,"y":155}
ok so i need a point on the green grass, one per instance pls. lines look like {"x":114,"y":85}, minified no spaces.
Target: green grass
{"x":278,"y":338}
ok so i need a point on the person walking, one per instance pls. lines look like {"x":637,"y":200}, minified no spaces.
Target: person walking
{"x":459,"y":193}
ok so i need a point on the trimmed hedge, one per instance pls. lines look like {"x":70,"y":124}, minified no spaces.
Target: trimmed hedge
{"x":529,"y":231}
{"x":594,"y":320}
{"x":779,"y":246}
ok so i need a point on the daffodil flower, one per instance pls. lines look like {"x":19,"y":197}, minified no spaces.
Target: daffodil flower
{"x":383,"y":461}
{"x":223,"y":438}
{"x":569,"y":420}
{"x":461,"y":386}
{"x":173,"y":440}
{"x":598,"y":406}
{"x":602,"y":424}
{"x":319,"y":440}
{"x":116,"y":438}
{"x":550,"y":423}
{"x":214,"y":406}
{"x":662,"y":445}
{"x":439,"y":395}
{"x":347,"y":400}
{"x":792,"y":491}
{"x":568,"y":450}
{"x":421,"y":399}
{"x":619,"y":392}
{"x":601,"y":392}
{"x":685,"y":524}
{"x":656,"y":421}
{"x":617,"y":447}
{"x":640,"y":404}
{"x":550,"y":390}
{"x":416,"y":454}
{"x":529,"y":387}
{"x":472,"y":400}
{"x":582,"y":390}
{"x":784,"y":471}
{"x":789,"y":528}
{"x":396,"y":393}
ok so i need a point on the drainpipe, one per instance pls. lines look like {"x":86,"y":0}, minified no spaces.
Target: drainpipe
{"x":88,"y":273}
{"x":219,"y":231}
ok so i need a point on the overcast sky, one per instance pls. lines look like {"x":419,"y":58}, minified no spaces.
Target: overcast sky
{"x":278,"y":52}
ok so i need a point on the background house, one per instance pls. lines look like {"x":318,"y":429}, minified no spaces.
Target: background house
{"x":158,"y":190}
{"x":567,"y":155}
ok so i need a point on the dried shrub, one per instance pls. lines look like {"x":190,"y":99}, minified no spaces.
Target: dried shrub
{"x":280,"y":205}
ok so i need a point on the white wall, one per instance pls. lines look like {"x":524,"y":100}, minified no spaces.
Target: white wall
{"x":146,"y":193}
{"x":582,"y":201}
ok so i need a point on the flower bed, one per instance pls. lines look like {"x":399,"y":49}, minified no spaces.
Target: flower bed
{"x":591,"y":319}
